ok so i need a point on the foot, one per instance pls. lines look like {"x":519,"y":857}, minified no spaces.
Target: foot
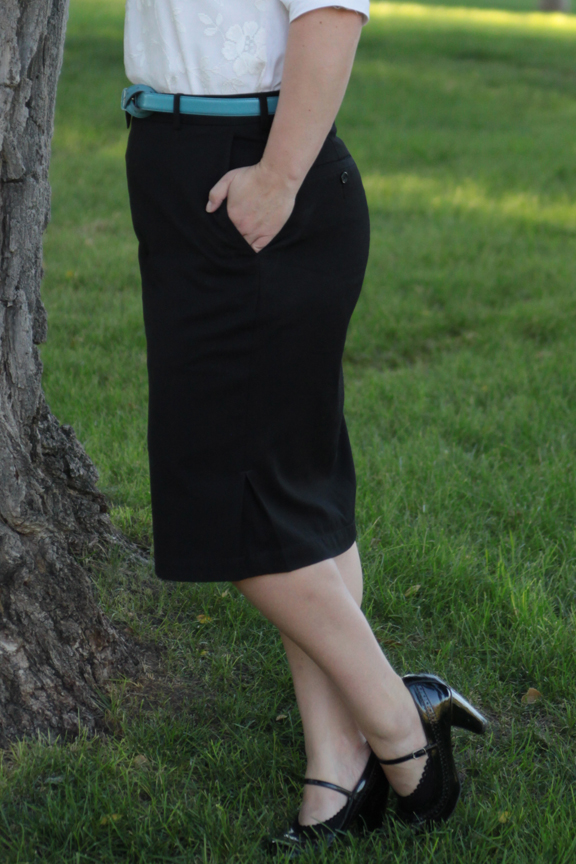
{"x":320,"y":804}
{"x":404,"y":778}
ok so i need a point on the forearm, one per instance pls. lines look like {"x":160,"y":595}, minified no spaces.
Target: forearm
{"x":318,"y":61}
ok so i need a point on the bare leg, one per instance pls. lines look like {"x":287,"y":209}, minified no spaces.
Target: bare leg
{"x":315,"y":610}
{"x":336,"y":750}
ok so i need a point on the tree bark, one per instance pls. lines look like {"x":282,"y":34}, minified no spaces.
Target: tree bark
{"x":57,"y":650}
{"x":554,"y":5}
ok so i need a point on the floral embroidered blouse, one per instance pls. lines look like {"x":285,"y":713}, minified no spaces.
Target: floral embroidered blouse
{"x":213,"y":47}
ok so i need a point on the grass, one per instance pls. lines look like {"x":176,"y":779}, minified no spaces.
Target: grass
{"x":461,"y":404}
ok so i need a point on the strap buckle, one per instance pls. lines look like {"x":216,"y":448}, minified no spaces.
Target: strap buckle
{"x":422,"y":752}
{"x":415,"y":755}
{"x":129,"y":101}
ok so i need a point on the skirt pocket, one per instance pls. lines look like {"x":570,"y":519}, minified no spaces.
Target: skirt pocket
{"x":245,"y":151}
{"x":231,"y":231}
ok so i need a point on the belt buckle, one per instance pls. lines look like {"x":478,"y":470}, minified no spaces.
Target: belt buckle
{"x":128,"y":102}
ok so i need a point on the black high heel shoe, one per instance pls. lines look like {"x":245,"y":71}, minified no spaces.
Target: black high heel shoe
{"x":440,"y":708}
{"x":366,"y":804}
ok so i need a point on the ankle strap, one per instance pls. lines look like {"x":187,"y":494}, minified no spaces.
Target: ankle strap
{"x":329,"y":786}
{"x":415,"y":755}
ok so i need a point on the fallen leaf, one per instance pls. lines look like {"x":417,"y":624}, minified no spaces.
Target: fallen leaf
{"x":204,"y":653}
{"x":140,"y":760}
{"x":225,"y":593}
{"x":203,"y":619}
{"x":504,"y":816}
{"x":532,"y":695}
{"x":412,"y":590}
{"x":113,"y":818}
{"x":391,"y":643}
{"x":281,"y":717}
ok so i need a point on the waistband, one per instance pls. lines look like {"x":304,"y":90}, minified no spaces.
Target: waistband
{"x":140,"y":101}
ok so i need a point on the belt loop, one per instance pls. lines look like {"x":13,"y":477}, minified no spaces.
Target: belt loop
{"x":264,"y":115}
{"x":176,"y":109}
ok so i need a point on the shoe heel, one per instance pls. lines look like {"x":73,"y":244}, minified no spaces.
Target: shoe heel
{"x":465,"y":716}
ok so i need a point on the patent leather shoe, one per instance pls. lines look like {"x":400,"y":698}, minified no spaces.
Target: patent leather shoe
{"x":365,"y":806}
{"x":439,"y":707}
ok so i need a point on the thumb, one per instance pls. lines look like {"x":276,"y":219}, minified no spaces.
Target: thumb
{"x":219,"y":192}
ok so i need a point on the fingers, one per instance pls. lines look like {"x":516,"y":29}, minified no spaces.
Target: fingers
{"x":260,"y":243}
{"x":219,"y":192}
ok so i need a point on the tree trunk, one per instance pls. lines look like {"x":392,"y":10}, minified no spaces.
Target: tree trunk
{"x":554,"y":5}
{"x":57,"y":650}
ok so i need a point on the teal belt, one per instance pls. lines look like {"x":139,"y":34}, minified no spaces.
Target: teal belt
{"x":139,"y":100}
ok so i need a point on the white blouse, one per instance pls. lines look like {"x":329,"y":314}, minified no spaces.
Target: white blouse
{"x":213,"y":47}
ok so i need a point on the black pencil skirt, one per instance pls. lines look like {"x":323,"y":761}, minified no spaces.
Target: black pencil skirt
{"x":250,"y":463}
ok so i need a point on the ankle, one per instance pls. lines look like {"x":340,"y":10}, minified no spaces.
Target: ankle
{"x":404,"y":730}
{"x":405,"y":776}
{"x":336,"y":756}
{"x":404,"y":743}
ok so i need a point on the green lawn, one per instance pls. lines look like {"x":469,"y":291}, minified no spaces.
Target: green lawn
{"x":461,"y":401}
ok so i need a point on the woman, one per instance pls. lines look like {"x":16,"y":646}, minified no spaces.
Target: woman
{"x":253,"y":232}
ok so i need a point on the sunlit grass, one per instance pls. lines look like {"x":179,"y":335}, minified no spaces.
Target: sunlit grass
{"x":555,"y":23}
{"x":398,"y":192}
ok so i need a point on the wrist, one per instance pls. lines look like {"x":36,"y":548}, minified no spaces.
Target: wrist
{"x":280,"y":178}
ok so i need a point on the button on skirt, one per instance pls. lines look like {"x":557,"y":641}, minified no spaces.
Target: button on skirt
{"x":250,"y":462}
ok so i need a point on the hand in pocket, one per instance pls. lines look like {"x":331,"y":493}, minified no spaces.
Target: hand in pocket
{"x":259,"y":202}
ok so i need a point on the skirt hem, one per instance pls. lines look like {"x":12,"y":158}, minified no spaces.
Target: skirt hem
{"x":278,"y":561}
